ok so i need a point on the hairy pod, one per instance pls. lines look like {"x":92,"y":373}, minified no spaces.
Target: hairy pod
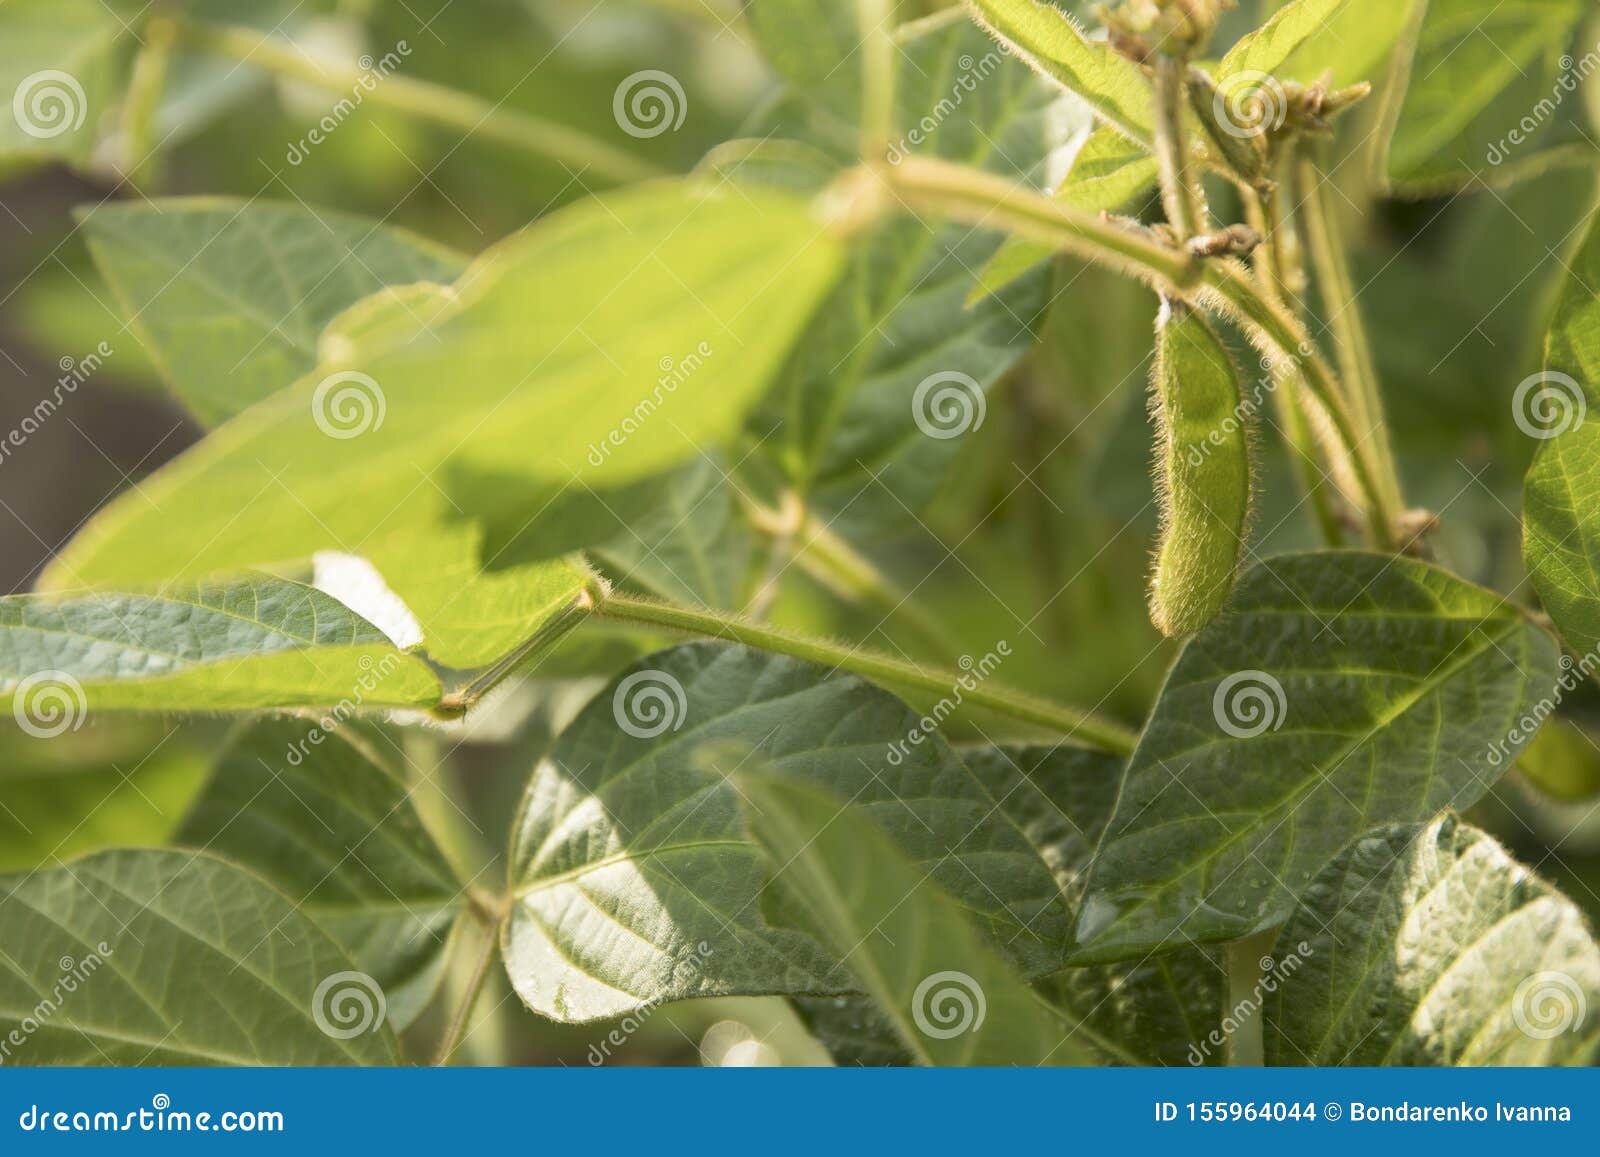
{"x":1203,"y":456}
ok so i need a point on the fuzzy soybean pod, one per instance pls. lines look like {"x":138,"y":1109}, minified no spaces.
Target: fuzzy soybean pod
{"x":1203,"y":472}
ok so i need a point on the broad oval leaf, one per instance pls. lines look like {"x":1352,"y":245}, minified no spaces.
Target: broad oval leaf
{"x":631,"y":851}
{"x":1430,"y":945}
{"x":230,"y":297}
{"x":310,"y":805}
{"x":550,"y":363}
{"x":906,"y":942}
{"x":1342,"y":690}
{"x":243,"y":644}
{"x":175,"y":958}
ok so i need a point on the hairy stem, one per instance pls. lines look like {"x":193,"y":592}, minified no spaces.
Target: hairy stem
{"x":539,"y":644}
{"x":1071,"y":722}
{"x":422,"y":99}
{"x":1181,"y":195}
{"x":1320,"y":227}
{"x":970,"y":195}
{"x":469,"y":998}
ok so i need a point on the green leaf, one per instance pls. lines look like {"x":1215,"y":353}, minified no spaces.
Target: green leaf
{"x":1108,"y":173}
{"x":1343,"y":690}
{"x":231,"y":296}
{"x":691,"y":547}
{"x":631,"y":851}
{"x":1563,"y":762}
{"x":1267,"y":47}
{"x":61,"y":62}
{"x":873,"y":407}
{"x":1144,"y":1012}
{"x":533,"y":372}
{"x":174,"y":958}
{"x":88,"y":790}
{"x":1353,"y":43}
{"x":1430,"y":945}
{"x":1052,"y":43}
{"x":905,"y":940}
{"x":246,"y":644}
{"x":1489,"y":96}
{"x":312,"y":808}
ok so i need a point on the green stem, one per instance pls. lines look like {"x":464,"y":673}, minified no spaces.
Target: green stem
{"x":1181,"y":195}
{"x":1244,"y":998}
{"x":550,"y":633}
{"x":469,"y":999}
{"x":983,"y":199}
{"x":422,"y":99}
{"x":876,"y":19}
{"x":1320,"y":225}
{"x":1069,"y":721}
{"x":145,"y":88}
